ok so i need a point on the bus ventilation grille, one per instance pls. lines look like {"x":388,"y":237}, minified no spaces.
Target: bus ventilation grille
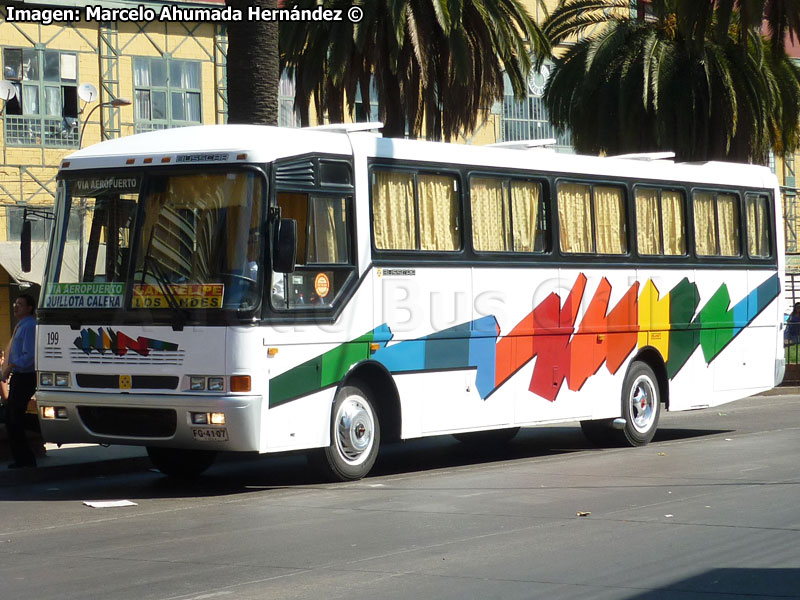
{"x":138,"y":382}
{"x":129,"y":422}
{"x":301,"y":172}
{"x":155,"y":357}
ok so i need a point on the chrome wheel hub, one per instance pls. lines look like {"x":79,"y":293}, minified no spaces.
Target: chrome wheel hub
{"x":354,"y":430}
{"x":642,"y":406}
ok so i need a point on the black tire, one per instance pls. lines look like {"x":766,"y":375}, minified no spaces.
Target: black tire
{"x":601,"y":432}
{"x":180,"y":463}
{"x":641,"y":404}
{"x":355,"y":435}
{"x":495,"y":437}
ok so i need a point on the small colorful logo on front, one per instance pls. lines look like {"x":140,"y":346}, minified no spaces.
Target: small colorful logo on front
{"x":118,"y":343}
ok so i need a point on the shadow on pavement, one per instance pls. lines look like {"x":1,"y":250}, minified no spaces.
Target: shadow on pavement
{"x":734,"y":583}
{"x":248,"y":473}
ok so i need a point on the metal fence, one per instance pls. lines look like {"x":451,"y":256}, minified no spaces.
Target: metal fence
{"x":792,"y":295}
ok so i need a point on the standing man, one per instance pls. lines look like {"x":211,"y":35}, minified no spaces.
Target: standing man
{"x":20,"y":365}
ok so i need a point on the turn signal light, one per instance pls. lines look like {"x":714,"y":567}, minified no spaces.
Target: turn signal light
{"x":240,"y":383}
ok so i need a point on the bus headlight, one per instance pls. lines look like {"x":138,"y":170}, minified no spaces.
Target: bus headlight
{"x":49,"y":379}
{"x":197,"y":383}
{"x":216,"y":384}
{"x":215,"y":418}
{"x":53,"y":412}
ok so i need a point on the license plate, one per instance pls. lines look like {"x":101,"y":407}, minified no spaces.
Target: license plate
{"x":210,"y":434}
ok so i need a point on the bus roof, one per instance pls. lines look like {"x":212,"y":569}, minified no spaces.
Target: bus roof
{"x":208,"y":144}
{"x":262,"y":144}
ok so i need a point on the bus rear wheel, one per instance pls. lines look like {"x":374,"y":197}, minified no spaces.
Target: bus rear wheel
{"x":641,"y":407}
{"x":641,"y":404}
{"x":355,"y":436}
{"x":181,"y":463}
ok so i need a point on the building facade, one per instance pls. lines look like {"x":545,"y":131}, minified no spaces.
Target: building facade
{"x":74,"y":82}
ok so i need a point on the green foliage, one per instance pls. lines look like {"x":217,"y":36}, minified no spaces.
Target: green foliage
{"x":436,"y":63}
{"x":696,"y":78}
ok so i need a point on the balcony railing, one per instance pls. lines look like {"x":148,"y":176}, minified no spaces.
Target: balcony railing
{"x":51,"y":132}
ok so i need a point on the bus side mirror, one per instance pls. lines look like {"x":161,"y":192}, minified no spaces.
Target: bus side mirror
{"x":284,"y":250}
{"x":25,"y":247}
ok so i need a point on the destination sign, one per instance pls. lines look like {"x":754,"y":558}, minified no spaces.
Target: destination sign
{"x":187,"y":295}
{"x":95,"y":186}
{"x":84,"y":295}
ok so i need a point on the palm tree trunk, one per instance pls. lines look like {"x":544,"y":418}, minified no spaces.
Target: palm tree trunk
{"x":252,"y":66}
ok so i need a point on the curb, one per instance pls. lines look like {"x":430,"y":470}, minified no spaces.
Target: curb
{"x":782,"y":390}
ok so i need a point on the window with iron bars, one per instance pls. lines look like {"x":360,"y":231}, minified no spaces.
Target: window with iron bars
{"x":527,"y":119}
{"x":44,"y":108}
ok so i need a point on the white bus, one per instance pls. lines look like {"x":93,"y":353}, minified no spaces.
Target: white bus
{"x":245,"y":288}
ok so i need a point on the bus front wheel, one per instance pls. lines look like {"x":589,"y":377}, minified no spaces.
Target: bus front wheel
{"x":180,"y":463}
{"x":355,"y":436}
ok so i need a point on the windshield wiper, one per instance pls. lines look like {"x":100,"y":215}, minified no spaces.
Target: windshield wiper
{"x":163,"y":284}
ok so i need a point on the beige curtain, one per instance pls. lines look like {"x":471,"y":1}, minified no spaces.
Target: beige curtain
{"x":728,"y":215}
{"x":705,"y":224}
{"x":393,"y":210}
{"x":490,"y":231}
{"x":326,"y":223}
{"x":609,"y":213}
{"x":438,"y":212}
{"x":648,"y":233}
{"x":525,"y":214}
{"x":672,"y":223}
{"x":757,"y":226}
{"x":575,"y":217}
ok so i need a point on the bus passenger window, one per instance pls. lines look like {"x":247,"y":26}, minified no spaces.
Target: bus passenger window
{"x":575,"y":217}
{"x":659,"y":222}
{"x":591,"y":219}
{"x":728,"y":216}
{"x":672,"y":219}
{"x":527,"y":216}
{"x":609,"y":220}
{"x":394,"y":216}
{"x":415,"y":211}
{"x":438,"y":213}
{"x":507,"y":215}
{"x":758,"y":227}
{"x":648,"y":227}
{"x":491,"y":227}
{"x":716,"y":224}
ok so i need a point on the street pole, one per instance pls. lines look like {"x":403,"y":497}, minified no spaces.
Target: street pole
{"x":116,"y":102}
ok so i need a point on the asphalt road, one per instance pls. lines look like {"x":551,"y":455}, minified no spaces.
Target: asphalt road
{"x":709,"y":510}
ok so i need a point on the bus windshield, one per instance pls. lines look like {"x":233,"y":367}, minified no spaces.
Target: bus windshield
{"x":173,"y":241}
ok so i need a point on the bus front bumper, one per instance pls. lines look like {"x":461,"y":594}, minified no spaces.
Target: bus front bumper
{"x":172,"y":421}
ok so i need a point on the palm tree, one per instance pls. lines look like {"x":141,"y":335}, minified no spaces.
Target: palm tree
{"x":703,"y":84}
{"x":252,"y":66}
{"x":434,"y":63}
{"x":782,"y":17}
